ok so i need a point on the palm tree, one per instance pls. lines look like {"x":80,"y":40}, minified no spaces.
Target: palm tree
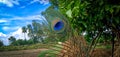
{"x":24,"y":30}
{"x":30,"y":32}
{"x":35,"y":31}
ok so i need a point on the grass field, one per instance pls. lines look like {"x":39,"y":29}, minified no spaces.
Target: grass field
{"x":24,"y":47}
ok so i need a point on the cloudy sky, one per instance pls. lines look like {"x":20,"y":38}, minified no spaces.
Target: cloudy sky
{"x":15,"y":14}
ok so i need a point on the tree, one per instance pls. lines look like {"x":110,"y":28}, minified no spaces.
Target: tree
{"x":93,"y":17}
{"x":1,"y":43}
{"x":19,"y":42}
{"x":35,"y":31}
{"x":12,"y":39}
{"x":98,"y":18}
{"x":24,"y":30}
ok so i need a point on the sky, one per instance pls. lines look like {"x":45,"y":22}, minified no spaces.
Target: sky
{"x":14,"y":14}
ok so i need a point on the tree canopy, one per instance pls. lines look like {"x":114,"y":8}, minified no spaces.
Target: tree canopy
{"x":93,"y":17}
{"x":35,"y":31}
{"x":98,"y":19}
{"x":12,"y":39}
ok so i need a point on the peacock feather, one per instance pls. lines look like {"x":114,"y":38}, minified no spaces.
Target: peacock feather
{"x":74,"y":45}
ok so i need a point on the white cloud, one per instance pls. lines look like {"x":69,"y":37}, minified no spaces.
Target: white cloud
{"x":34,"y":17}
{"x":10,"y":28}
{"x":18,"y":34}
{"x":2,"y":21}
{"x":41,"y":1}
{"x":44,"y":2}
{"x":22,"y":6}
{"x":15,"y":2}
{"x":31,"y":17}
{"x":5,"y":14}
{"x":2,"y":35}
{"x":9,"y":3}
{"x":5,"y":28}
{"x":7,"y":21}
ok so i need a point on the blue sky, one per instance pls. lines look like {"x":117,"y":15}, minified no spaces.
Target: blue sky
{"x":15,"y":14}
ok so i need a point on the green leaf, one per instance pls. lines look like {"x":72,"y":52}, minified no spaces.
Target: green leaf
{"x":69,"y":13}
{"x":111,"y":10}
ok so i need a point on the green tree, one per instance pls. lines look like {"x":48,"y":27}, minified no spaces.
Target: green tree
{"x":12,"y":39}
{"x":35,"y":31}
{"x":19,"y":42}
{"x":96,"y":18}
{"x":1,"y":43}
{"x":24,"y":30}
{"x":30,"y":41}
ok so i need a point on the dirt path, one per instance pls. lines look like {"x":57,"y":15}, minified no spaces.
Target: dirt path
{"x":21,"y":53}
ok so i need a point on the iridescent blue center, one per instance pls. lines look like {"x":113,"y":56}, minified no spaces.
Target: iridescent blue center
{"x":59,"y":26}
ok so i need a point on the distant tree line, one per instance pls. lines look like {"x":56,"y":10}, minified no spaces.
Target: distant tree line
{"x":18,"y":42}
{"x":38,"y":32}
{"x":35,"y":32}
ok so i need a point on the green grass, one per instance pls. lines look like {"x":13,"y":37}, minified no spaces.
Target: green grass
{"x":54,"y":50}
{"x":24,"y":47}
{"x":49,"y":53}
{"x":104,"y":46}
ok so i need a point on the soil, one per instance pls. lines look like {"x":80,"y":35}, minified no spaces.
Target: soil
{"x":34,"y":53}
{"x":106,"y":52}
{"x":21,"y":53}
{"x":101,"y":53}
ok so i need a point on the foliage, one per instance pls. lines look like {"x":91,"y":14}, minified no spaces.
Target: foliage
{"x":19,"y":42}
{"x":22,"y":42}
{"x":38,"y":32}
{"x":104,"y":47}
{"x":93,"y":17}
{"x":24,"y":30}
{"x":12,"y":39}
{"x":99,"y":19}
{"x":35,"y":31}
{"x":1,"y":43}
